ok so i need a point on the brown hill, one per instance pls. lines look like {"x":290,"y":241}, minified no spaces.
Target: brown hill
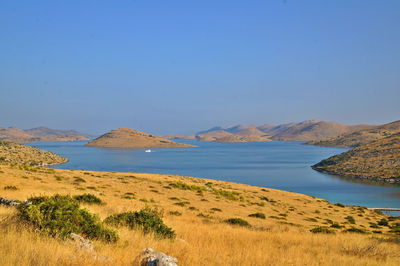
{"x":234,"y":134}
{"x":303,"y":131}
{"x":16,"y":135}
{"x":45,"y":133}
{"x":315,"y":130}
{"x":361,"y":137}
{"x":21,"y":154}
{"x":129,"y":138}
{"x":40,"y":134}
{"x":377,"y":160}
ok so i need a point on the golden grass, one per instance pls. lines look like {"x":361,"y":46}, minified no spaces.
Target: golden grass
{"x":201,"y":240}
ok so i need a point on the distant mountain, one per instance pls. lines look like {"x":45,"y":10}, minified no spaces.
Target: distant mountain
{"x":130,"y":138}
{"x":16,"y":135}
{"x":178,"y":136}
{"x":360,"y":137}
{"x":315,"y":130}
{"x":376,"y":160}
{"x":237,"y":133}
{"x":303,"y":131}
{"x":40,"y":134}
{"x":56,"y":134}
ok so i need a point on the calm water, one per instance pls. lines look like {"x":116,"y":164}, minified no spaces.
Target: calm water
{"x":281,"y":165}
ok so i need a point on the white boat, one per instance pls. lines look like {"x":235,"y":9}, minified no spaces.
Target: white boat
{"x":147,"y":151}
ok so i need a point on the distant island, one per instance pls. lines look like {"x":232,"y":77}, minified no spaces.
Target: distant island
{"x":130,"y":138}
{"x":377,"y":160}
{"x":309,"y":130}
{"x":40,"y":134}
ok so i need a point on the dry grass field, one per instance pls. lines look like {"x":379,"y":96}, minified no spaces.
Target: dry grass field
{"x":196,"y":209}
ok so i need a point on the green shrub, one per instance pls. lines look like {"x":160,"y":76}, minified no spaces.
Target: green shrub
{"x":10,"y":188}
{"x":216,"y":209}
{"x":355,"y":230}
{"x":322,"y":230}
{"x":184,"y":186}
{"x":336,"y":225}
{"x":340,"y":205}
{"x":148,"y":220}
{"x":383,"y":222}
{"x":257,"y":215}
{"x":237,"y":221}
{"x":176,"y":213}
{"x":59,"y":216}
{"x":88,"y":198}
{"x":350,"y":219}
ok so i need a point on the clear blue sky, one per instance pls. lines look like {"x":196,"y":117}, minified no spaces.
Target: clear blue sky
{"x":182,"y":66}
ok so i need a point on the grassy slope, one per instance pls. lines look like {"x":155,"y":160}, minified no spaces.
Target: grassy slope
{"x":283,"y":238}
{"x":378,"y":160}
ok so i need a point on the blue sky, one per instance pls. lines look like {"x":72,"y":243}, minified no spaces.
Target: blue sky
{"x":182,"y":66}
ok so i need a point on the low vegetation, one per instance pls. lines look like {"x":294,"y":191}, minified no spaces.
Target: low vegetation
{"x":148,"y":220}
{"x":59,"y":216}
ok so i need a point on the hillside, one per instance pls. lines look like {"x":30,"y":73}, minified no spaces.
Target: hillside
{"x":360,"y":137}
{"x":45,"y":133}
{"x":130,"y":138}
{"x":16,"y":135}
{"x":315,"y":130}
{"x":21,"y":154}
{"x":40,"y":134}
{"x":376,"y":160}
{"x":303,"y":131}
{"x":198,"y":210}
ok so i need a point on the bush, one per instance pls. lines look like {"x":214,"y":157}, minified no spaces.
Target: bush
{"x":257,"y":215}
{"x":216,"y":209}
{"x":237,"y":221}
{"x":383,"y":222}
{"x":355,"y":230}
{"x":148,"y":220}
{"x":322,"y":230}
{"x":350,"y":219}
{"x":336,"y":225}
{"x":59,"y":216}
{"x":88,"y":198}
{"x":10,"y":188}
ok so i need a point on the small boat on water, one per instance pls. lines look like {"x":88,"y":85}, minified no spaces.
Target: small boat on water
{"x":147,"y":150}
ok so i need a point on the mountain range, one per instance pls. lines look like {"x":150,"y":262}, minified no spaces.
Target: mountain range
{"x":302,"y":131}
{"x":40,"y":134}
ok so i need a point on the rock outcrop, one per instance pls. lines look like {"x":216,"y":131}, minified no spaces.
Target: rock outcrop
{"x":150,"y":257}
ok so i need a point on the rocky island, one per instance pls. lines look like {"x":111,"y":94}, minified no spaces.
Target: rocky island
{"x":133,"y":139}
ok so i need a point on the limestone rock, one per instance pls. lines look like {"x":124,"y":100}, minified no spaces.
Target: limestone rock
{"x":150,"y":257}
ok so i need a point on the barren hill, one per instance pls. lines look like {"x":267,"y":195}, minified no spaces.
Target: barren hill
{"x":303,"y":131}
{"x":40,"y":134}
{"x":377,"y":160}
{"x":130,"y":138}
{"x":46,"y":133}
{"x":315,"y":130}
{"x":360,"y":137}
{"x":234,"y":134}
{"x":16,"y":135}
